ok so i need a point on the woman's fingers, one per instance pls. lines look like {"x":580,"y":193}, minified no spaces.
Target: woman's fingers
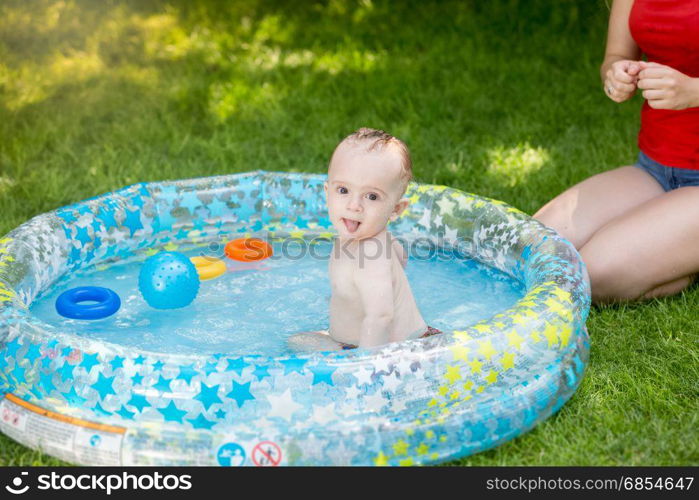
{"x":620,"y":84}
{"x":618,"y":91}
{"x":653,"y":95}
{"x":653,"y":83}
{"x":615,"y":95}
{"x":623,"y":88}
{"x":654,"y":72}
{"x":660,"y":104}
{"x":620,"y":75}
{"x":634,"y":68}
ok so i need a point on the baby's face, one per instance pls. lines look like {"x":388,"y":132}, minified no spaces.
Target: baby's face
{"x":363,"y":191}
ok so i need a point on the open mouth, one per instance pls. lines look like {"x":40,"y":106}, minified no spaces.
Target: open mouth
{"x":351,"y":225}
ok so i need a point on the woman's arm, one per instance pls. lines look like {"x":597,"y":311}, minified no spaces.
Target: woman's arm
{"x":620,"y":68}
{"x":620,"y":44}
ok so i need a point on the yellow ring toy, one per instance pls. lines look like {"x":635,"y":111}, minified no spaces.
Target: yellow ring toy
{"x":208,"y":267}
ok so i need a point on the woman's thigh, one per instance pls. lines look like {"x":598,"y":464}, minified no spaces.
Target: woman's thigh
{"x":649,"y":246}
{"x":577,"y":213}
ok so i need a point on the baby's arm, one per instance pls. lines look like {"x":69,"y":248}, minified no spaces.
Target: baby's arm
{"x":374,"y":281}
{"x":400,"y":251}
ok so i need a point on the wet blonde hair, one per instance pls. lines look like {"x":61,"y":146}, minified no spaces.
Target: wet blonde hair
{"x":375,"y":139}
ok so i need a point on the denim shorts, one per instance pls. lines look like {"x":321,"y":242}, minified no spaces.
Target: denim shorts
{"x":669,"y":177}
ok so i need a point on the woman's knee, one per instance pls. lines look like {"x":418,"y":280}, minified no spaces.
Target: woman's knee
{"x":557,"y":214}
{"x":582,"y":210}
{"x":610,"y":280}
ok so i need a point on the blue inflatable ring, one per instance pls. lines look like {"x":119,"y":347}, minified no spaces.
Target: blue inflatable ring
{"x":68,"y":304}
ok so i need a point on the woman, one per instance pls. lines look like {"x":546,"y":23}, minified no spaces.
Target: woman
{"x":637,"y":227}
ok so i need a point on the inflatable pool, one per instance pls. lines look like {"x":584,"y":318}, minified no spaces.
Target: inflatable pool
{"x":91,"y":397}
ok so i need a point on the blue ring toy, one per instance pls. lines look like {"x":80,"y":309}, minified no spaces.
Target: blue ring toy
{"x":68,"y":303}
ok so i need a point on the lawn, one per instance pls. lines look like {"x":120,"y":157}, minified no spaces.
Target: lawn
{"x":501,"y":98}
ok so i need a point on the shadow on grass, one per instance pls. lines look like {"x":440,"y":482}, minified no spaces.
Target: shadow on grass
{"x":173,"y":89}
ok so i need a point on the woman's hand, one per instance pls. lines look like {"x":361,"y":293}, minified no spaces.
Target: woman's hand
{"x":621,"y":78}
{"x":667,"y":88}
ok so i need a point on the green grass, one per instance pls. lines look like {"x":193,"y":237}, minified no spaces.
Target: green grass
{"x":499,"y":97}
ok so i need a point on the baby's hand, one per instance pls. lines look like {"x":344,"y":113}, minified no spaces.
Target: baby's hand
{"x":666,"y":88}
{"x":621,"y":79}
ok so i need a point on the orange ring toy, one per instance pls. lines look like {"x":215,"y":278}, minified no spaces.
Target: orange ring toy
{"x":248,"y":249}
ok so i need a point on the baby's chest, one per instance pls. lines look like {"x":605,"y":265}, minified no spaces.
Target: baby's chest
{"x":342,"y":274}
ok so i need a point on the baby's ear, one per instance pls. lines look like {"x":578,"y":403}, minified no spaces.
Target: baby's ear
{"x":399,"y":208}
{"x":325,"y":187}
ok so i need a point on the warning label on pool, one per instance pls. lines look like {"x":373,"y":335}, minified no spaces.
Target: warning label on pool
{"x":266,"y":454}
{"x":71,"y":439}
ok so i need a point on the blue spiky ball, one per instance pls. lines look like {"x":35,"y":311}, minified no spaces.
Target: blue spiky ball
{"x":168,"y":280}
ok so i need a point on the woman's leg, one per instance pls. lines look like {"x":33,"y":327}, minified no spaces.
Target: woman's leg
{"x":576,"y":214}
{"x":649,"y":251}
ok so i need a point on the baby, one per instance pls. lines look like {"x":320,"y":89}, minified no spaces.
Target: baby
{"x":371,"y":302}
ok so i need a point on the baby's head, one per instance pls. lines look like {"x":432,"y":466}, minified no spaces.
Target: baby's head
{"x":368,"y":174}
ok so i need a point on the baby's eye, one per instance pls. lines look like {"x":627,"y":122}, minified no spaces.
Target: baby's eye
{"x":342,"y":190}
{"x":373,"y":196}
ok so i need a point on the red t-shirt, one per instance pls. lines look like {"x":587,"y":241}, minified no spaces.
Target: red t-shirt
{"x":667,"y":31}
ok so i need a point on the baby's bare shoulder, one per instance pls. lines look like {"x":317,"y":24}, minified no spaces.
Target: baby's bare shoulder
{"x":375,"y":245}
{"x":374,"y":260}
{"x":376,"y":249}
{"x":380,"y":244}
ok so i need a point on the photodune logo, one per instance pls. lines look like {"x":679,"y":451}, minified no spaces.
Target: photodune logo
{"x":16,"y":488}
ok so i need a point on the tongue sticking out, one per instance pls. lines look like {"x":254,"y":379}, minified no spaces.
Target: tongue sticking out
{"x":351,"y":225}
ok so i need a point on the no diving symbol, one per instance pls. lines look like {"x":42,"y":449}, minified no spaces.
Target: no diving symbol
{"x":266,"y":454}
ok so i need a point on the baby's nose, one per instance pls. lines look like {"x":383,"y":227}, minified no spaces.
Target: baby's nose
{"x":354,"y":203}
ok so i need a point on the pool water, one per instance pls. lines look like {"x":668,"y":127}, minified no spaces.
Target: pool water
{"x":254,"y":307}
